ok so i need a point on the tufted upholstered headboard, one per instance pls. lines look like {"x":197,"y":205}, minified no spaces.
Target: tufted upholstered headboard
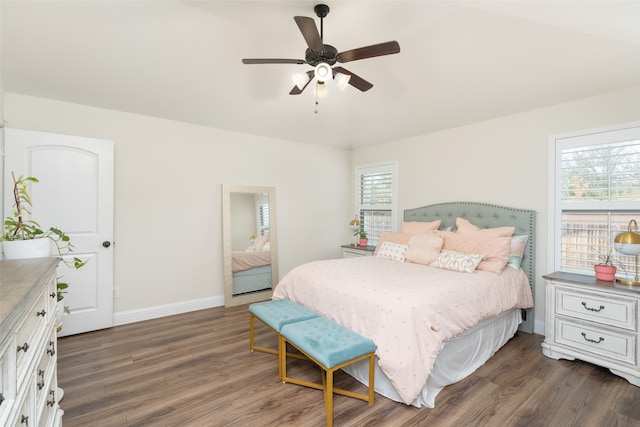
{"x":486,"y":215}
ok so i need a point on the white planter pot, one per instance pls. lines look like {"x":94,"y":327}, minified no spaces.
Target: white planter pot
{"x":21,"y":249}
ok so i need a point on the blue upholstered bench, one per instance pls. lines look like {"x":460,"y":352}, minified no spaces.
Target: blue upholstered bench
{"x":331,"y":347}
{"x":276,"y":314}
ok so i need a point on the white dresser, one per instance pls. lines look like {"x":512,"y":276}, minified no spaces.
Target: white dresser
{"x":28,"y":377}
{"x":594,"y":321}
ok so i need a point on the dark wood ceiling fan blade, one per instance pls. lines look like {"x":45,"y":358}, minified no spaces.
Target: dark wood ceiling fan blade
{"x":355,"y":80}
{"x":309,"y":32}
{"x":272,"y":61}
{"x":380,"y":49}
{"x":296,"y":90}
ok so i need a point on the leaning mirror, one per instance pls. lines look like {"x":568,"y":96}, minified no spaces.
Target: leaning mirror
{"x":249,"y":243}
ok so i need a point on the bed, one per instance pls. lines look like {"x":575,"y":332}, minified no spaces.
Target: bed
{"x":251,"y":271}
{"x":422,"y":343}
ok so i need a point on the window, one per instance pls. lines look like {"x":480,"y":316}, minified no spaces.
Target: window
{"x":376,"y":196}
{"x":262,"y":207}
{"x":596,"y":194}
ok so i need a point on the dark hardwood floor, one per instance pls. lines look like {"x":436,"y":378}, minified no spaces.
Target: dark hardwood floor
{"x":195,"y":369}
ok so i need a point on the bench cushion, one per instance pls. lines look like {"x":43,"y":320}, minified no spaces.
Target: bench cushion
{"x":327,"y":342}
{"x":280,"y":312}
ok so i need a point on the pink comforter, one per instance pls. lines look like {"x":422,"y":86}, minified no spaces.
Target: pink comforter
{"x":244,"y":260}
{"x":408,"y":310}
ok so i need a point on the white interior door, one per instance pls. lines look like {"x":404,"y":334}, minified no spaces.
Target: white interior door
{"x":75,"y":194}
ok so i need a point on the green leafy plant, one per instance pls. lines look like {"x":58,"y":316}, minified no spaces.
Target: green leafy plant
{"x":60,"y":291}
{"x":17,"y":227}
{"x":361,"y":233}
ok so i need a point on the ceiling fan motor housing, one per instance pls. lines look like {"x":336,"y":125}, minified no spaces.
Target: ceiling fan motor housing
{"x":328,"y":55}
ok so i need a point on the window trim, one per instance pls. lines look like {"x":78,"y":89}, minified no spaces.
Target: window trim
{"x":391,"y":166}
{"x":554,"y":202}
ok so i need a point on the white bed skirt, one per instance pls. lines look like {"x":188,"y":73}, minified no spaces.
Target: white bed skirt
{"x":255,"y":279}
{"x":458,"y":359}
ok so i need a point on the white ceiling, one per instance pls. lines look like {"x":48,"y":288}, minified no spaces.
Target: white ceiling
{"x":460,"y":62}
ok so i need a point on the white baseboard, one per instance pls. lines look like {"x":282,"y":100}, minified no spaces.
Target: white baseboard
{"x":538,"y":328}
{"x":148,"y":313}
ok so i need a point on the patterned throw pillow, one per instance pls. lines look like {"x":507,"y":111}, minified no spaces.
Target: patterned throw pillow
{"x":457,"y":261}
{"x":392,"y":251}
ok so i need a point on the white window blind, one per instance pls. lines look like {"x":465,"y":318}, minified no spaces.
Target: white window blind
{"x":597,"y":192}
{"x":262,"y":206}
{"x":376,"y":199}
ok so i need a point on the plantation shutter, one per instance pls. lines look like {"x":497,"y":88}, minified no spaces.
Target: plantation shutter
{"x":376,"y":199}
{"x":599,"y":193}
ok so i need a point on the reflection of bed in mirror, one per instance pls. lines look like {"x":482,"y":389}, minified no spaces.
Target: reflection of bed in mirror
{"x":251,"y":270}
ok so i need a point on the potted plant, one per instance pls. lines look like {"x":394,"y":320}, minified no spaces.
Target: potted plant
{"x":23,"y":238}
{"x":363,"y":237}
{"x":605,"y":270}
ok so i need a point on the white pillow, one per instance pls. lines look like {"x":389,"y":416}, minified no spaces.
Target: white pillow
{"x":392,"y":251}
{"x":457,"y":261}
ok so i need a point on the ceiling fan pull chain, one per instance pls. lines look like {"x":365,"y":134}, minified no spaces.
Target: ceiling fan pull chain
{"x":316,"y":110}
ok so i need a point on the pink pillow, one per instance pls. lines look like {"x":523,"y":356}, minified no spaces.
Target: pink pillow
{"x":465,"y":227}
{"x":494,"y":250}
{"x":393,"y":237}
{"x":416,"y":227}
{"x":260,"y":241}
{"x":424,"y":248}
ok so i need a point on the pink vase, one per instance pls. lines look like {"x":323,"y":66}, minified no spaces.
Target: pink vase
{"x":363,"y":243}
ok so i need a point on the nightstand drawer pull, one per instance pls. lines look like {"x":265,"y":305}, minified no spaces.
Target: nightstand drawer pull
{"x":23,"y":347}
{"x":598,"y":341}
{"x":592,"y":309}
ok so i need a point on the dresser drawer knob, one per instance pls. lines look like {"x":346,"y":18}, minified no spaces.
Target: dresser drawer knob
{"x":591,"y":308}
{"x":24,"y":347}
{"x":598,"y":341}
{"x":41,"y":313}
{"x":1,"y":399}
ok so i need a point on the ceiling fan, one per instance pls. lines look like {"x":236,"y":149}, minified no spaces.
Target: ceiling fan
{"x":323,"y":56}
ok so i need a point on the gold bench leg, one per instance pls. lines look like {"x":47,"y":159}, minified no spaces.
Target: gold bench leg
{"x":328,"y":398}
{"x":251,"y":333}
{"x":371,"y":378}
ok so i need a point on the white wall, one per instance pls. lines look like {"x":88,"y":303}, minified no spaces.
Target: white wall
{"x":168,"y":178}
{"x":502,"y":161}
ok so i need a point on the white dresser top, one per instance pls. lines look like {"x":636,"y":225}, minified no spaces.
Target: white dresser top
{"x":17,"y":280}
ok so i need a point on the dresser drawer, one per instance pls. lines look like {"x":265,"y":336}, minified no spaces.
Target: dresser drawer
{"x":7,"y":379}
{"x":617,"y":346}
{"x":30,"y":332}
{"x":614,"y":311}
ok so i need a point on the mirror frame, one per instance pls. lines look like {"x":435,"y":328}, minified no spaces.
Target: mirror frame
{"x":230,"y":299}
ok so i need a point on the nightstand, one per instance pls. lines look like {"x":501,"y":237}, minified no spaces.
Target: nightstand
{"x":594,"y":321}
{"x":350,"y":251}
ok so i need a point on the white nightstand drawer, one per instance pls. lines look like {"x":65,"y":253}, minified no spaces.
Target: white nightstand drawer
{"x":601,"y":342}
{"x":614,"y":311}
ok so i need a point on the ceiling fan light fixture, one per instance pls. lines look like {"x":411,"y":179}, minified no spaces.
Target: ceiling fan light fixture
{"x":321,"y":90}
{"x":301,"y":80}
{"x":323,"y":72}
{"x":342,"y":80}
